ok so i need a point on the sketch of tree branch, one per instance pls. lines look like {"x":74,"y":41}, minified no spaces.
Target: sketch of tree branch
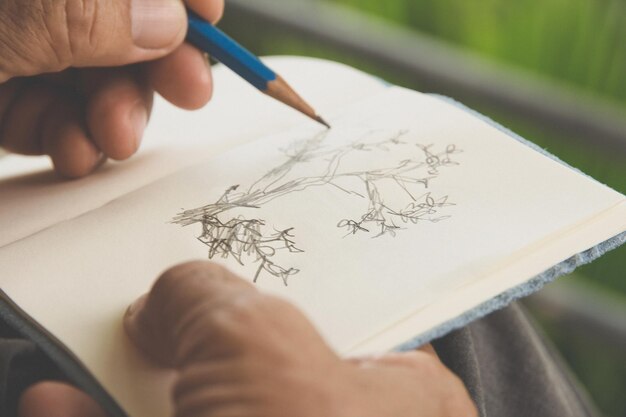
{"x":241,"y":237}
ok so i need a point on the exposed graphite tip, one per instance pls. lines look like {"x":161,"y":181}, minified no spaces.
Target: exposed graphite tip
{"x":322,"y":121}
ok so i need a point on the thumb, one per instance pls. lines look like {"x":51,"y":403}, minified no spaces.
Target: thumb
{"x":167,"y":323}
{"x":40,"y":36}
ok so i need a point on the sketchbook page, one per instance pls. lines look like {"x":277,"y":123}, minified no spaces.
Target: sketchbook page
{"x":174,"y":139}
{"x":524,"y":265}
{"x":405,"y":200}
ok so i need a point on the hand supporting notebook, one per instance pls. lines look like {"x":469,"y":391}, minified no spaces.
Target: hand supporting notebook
{"x":241,"y":352}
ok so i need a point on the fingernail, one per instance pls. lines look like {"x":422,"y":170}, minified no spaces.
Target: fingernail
{"x":139,"y":120}
{"x":206,"y":74}
{"x":206,"y":77}
{"x":157,"y":23}
{"x":103,"y":160}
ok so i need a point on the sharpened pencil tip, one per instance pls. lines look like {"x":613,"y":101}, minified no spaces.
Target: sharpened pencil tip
{"x":322,"y":121}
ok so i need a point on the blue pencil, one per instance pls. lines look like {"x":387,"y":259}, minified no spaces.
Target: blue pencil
{"x":220,"y":46}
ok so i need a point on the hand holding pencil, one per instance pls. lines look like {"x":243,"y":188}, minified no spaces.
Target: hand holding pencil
{"x":86,"y":94}
{"x":76,"y":83}
{"x":223,"y":48}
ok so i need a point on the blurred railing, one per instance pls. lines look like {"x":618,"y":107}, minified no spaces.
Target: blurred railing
{"x":439,"y":67}
{"x":580,"y":309}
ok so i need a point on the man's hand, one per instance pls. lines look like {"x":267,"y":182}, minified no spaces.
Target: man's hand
{"x":67,"y":86}
{"x":243,"y":353}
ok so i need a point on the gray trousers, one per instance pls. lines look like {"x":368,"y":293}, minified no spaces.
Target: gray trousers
{"x":510,"y":370}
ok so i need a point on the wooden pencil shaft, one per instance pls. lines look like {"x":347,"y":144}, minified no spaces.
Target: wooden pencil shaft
{"x":220,"y":46}
{"x":281,"y":91}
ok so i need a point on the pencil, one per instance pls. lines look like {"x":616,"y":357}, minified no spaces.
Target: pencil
{"x":223,"y":48}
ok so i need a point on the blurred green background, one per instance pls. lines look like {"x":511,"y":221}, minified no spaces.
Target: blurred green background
{"x":580,"y":44}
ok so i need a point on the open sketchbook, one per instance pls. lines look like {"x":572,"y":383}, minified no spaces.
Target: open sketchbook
{"x":411,"y":217}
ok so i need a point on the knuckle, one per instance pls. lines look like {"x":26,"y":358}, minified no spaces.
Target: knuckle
{"x":68,"y":28}
{"x":435,"y":367}
{"x":52,"y":32}
{"x":24,"y":43}
{"x":242,"y":311}
{"x":244,"y":315}
{"x":426,"y":365}
{"x":205,"y":285}
{"x":200,"y":286}
{"x":170,"y":277}
{"x":224,"y":328}
{"x":182,"y":276}
{"x":80,"y":22}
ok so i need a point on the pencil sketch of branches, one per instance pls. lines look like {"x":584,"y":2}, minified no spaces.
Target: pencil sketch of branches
{"x":355,"y":169}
